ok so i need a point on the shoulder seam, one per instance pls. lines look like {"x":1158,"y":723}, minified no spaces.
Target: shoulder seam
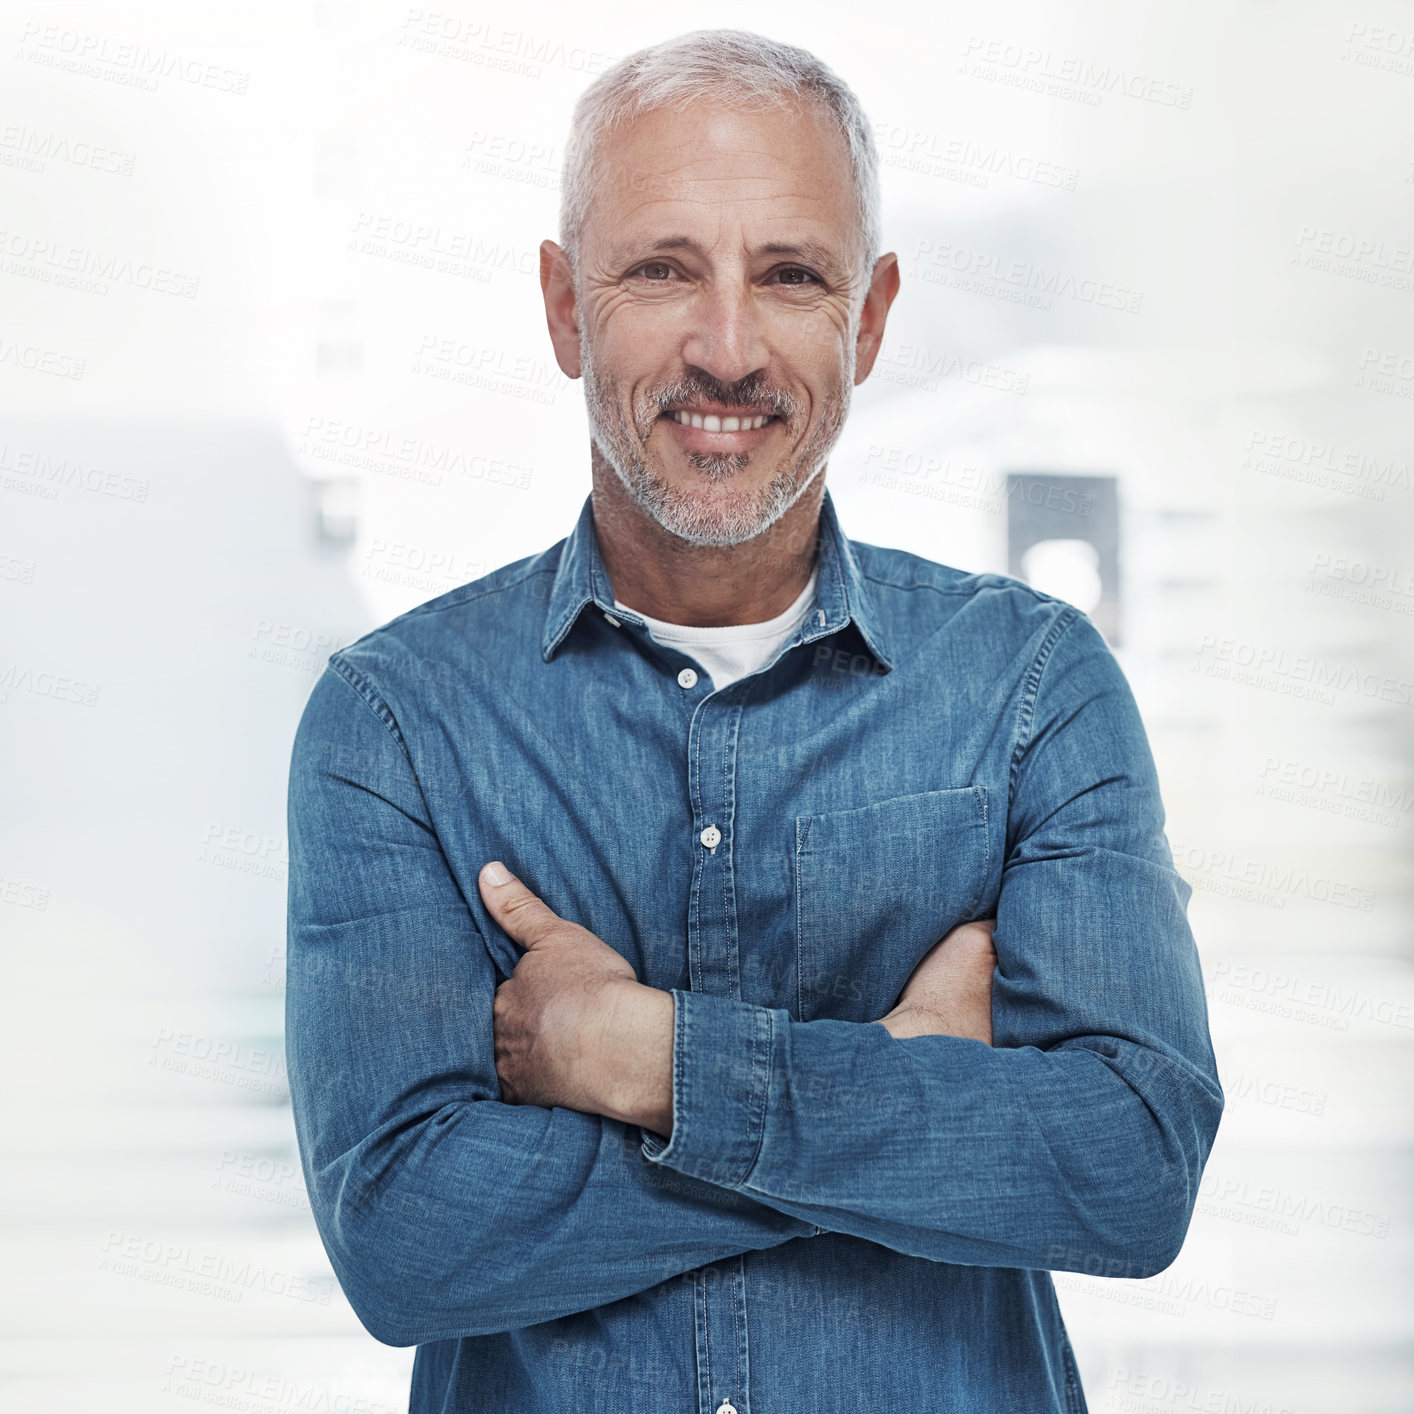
{"x":435,"y":608}
{"x":1026,"y":717}
{"x":1004,"y":581}
{"x":363,"y":690}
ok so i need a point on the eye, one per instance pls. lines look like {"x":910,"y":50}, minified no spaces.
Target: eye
{"x":797,"y":276}
{"x":656,"y":270}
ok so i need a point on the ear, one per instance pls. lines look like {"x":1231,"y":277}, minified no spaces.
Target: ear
{"x":883,"y":286}
{"x":561,"y":307}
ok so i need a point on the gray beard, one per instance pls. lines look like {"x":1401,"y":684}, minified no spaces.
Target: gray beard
{"x":748,"y":514}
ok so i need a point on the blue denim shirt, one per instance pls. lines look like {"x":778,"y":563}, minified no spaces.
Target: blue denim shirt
{"x":840,"y":1220}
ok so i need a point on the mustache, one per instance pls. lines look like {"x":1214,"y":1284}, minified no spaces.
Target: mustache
{"x":749,"y":392}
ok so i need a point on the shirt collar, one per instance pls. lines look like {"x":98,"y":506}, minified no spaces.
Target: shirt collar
{"x":841,"y":592}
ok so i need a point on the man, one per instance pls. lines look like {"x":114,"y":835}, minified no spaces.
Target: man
{"x":606,"y":867}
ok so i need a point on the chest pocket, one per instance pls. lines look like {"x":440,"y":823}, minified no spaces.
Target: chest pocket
{"x":875,"y":888}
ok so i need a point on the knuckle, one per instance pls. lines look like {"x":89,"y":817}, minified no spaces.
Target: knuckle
{"x":523,"y":903}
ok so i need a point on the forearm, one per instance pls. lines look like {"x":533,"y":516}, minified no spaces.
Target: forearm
{"x":634,"y":1058}
{"x":634,"y":1063}
{"x":941,"y":1147}
{"x":505,"y":1215}
{"x":485,"y":1217}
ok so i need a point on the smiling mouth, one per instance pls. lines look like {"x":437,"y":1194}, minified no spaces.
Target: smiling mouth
{"x":719,"y":422}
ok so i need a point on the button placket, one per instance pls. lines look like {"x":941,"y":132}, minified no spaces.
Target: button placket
{"x":714,"y":966}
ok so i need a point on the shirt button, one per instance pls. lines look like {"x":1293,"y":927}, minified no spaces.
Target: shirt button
{"x":726,"y":1407}
{"x":711,"y":837}
{"x":611,"y":618}
{"x":687,"y":678}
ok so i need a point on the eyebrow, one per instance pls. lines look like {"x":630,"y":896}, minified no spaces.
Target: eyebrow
{"x":810,"y":251}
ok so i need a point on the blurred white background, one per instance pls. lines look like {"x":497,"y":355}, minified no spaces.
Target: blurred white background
{"x":273,"y":368}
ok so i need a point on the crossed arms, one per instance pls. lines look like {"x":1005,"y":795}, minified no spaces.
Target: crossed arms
{"x":1076,"y":1142}
{"x":574,"y":1027}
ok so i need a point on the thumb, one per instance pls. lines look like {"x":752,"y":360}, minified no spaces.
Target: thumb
{"x":527,"y":919}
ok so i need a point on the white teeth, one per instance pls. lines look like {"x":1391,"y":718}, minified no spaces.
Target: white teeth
{"x":710,"y":422}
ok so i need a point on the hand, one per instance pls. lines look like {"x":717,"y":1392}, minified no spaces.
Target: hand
{"x":572,"y":1025}
{"x":950,"y":991}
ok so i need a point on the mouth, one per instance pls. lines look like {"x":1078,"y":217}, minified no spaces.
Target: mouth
{"x":719,"y":429}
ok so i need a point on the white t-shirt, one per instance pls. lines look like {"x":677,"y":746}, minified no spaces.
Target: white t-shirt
{"x":731,"y":652}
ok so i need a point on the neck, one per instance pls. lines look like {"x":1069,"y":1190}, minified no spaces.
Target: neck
{"x":703,"y":586}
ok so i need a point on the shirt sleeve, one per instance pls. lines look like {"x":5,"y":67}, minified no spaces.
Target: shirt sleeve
{"x":1077,"y":1140}
{"x":445,"y":1211}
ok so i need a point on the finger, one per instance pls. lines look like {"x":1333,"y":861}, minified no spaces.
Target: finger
{"x":526,"y":919}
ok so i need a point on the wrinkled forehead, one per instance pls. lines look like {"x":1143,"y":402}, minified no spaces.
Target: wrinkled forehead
{"x":721,"y":177}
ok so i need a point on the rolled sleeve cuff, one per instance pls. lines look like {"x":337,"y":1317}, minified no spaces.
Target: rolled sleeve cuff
{"x":721,"y":1081}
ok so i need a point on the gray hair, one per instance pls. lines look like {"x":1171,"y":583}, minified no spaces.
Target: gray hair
{"x":745,"y":71}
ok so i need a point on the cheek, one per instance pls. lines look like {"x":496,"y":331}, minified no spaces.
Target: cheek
{"x":632,"y":324}
{"x":632,"y":354}
{"x":815,"y":349}
{"x":827,"y":381}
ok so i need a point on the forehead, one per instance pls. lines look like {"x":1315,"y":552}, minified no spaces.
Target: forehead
{"x":782,"y":175}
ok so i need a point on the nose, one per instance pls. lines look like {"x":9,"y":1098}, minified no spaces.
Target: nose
{"x":725,"y":338}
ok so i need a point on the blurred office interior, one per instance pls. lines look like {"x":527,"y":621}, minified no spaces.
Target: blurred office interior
{"x":1154,"y":352}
